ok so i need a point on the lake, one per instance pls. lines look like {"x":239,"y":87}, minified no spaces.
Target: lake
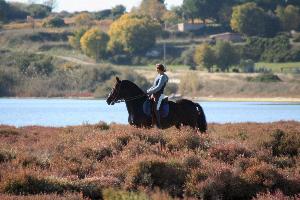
{"x":65,"y":112}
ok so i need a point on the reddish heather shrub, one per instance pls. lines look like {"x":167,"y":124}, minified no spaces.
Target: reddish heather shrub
{"x":153,"y":138}
{"x":243,"y":163}
{"x":216,"y":180}
{"x":283,"y":162}
{"x":66,"y":196}
{"x":102,"y":126}
{"x":7,"y":132}
{"x":7,"y":155}
{"x":192,"y":162}
{"x":98,"y":154}
{"x":112,"y":194}
{"x":223,"y":185}
{"x":188,"y":140}
{"x":39,"y":161}
{"x":121,"y":142}
{"x":284,"y":143}
{"x":81,"y":167}
{"x":278,"y":195}
{"x":135,"y":148}
{"x":30,"y":184}
{"x":264,"y":177}
{"x":229,"y":152}
{"x":157,"y":173}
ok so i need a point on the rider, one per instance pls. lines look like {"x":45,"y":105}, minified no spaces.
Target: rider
{"x":157,"y":90}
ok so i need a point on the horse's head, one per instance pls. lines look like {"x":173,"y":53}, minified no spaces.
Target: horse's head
{"x":116,"y":93}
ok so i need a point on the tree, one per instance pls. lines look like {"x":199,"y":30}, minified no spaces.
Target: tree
{"x":202,"y":9}
{"x":103,"y":14}
{"x":226,"y":55}
{"x":188,"y":58}
{"x":83,"y":19}
{"x":4,"y":7}
{"x":94,"y":43}
{"x":170,"y":17}
{"x":53,"y":22}
{"x":38,"y":10}
{"x":153,"y":8}
{"x":132,"y":34}
{"x":52,"y":4}
{"x":191,"y":9}
{"x":118,"y":11}
{"x":251,"y":20}
{"x":205,"y":56}
{"x":289,"y":17}
{"x":74,"y":40}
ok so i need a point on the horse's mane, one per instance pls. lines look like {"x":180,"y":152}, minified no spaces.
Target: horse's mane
{"x":132,"y":86}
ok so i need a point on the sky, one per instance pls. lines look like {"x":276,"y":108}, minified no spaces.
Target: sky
{"x":96,"y":5}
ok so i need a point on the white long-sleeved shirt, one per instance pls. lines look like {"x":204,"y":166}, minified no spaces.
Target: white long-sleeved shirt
{"x":162,"y":80}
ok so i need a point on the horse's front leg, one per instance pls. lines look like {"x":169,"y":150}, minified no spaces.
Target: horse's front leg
{"x":130,"y":120}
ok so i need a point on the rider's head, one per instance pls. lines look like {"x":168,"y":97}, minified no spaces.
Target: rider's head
{"x":160,"y":68}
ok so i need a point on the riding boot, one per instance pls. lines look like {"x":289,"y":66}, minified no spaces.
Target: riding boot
{"x":157,"y":119}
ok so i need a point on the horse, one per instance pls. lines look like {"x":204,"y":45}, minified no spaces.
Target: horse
{"x":181,"y":113}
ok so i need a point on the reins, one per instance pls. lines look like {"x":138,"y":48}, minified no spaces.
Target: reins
{"x":127,"y":99}
{"x":130,"y":98}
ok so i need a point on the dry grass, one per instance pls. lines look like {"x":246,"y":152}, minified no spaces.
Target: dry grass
{"x":232,"y":161}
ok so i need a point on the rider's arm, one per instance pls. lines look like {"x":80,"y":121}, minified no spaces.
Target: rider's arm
{"x":162,"y":81}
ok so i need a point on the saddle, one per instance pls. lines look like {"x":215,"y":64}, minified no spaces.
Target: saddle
{"x":163,"y":110}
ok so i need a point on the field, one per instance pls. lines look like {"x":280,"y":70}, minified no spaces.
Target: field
{"x":230,"y":161}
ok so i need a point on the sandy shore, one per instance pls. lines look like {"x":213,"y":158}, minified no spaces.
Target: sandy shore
{"x":247,"y":99}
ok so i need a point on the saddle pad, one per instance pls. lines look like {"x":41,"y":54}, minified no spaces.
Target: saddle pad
{"x":164,"y":109}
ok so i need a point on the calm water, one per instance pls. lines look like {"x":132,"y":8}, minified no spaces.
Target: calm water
{"x":64,"y":112}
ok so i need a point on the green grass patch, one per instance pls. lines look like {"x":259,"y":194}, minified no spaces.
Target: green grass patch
{"x":279,"y":67}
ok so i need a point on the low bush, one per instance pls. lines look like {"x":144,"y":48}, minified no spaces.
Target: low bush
{"x":266,"y":77}
{"x":283,"y":143}
{"x":99,"y":154}
{"x":36,"y":161}
{"x":229,"y":152}
{"x":47,"y":36}
{"x":7,"y":132}
{"x":8,"y":82}
{"x":277,"y":49}
{"x":111,"y":194}
{"x":221,"y":184}
{"x":29,"y":184}
{"x":188,"y":141}
{"x":54,"y":22}
{"x":121,"y":142}
{"x":155,"y":173}
{"x":264,"y":177}
{"x":278,"y":195}
{"x":6,"y":155}
{"x":33,"y":65}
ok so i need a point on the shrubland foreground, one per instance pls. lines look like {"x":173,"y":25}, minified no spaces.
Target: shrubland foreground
{"x":231,"y":161}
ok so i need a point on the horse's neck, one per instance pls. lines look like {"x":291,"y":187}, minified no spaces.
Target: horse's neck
{"x":133,"y":91}
{"x":135,"y":105}
{"x":135,"y":94}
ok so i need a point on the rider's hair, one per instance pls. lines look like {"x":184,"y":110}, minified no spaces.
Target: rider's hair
{"x":161,"y":67}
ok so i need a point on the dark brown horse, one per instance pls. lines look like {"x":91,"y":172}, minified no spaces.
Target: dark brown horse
{"x":182,"y":112}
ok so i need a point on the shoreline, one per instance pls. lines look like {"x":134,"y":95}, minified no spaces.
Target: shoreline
{"x":201,"y":99}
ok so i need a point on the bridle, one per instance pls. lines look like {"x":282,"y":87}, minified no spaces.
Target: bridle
{"x":124,"y":99}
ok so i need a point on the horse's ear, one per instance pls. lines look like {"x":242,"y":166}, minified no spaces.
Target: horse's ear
{"x":118,"y":80}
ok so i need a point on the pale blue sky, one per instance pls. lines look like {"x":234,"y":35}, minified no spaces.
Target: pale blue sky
{"x":96,"y":5}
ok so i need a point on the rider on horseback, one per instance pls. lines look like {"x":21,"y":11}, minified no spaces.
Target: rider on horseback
{"x":157,"y":90}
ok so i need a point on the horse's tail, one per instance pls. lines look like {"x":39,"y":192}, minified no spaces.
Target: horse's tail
{"x":201,"y":120}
